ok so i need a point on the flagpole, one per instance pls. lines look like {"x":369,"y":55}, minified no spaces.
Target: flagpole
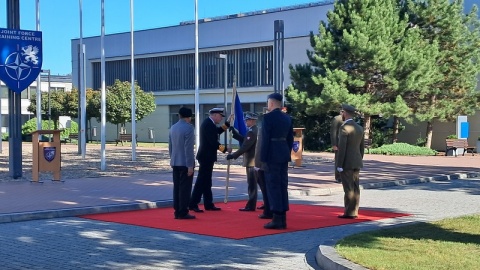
{"x":39,"y":79}
{"x":83,"y":102}
{"x":197,"y":96}
{"x":232,"y":120}
{"x":103,"y":98}
{"x":132,"y":71}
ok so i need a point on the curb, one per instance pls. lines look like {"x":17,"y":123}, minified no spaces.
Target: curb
{"x":73,"y":212}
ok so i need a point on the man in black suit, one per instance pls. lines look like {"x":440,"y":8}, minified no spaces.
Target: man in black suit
{"x":277,"y":143}
{"x":206,"y":156}
{"x":247,"y":149}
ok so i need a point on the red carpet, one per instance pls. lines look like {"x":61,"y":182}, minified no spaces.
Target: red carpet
{"x":233,"y":224}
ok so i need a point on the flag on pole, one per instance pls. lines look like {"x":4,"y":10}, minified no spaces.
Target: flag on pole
{"x":239,"y":123}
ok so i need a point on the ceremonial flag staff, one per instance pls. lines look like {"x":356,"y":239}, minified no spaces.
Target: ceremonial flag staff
{"x":231,"y":120}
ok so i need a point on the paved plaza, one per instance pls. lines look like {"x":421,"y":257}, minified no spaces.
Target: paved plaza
{"x":39,"y":230}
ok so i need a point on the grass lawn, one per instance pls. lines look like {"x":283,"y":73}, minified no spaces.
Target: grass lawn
{"x":447,"y":244}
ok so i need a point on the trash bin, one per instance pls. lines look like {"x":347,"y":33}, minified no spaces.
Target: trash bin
{"x":297,"y":149}
{"x":46,"y":155}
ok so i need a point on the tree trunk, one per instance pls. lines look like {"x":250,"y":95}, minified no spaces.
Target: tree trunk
{"x":428,"y":134}
{"x":396,"y":124}
{"x":366,"y":126}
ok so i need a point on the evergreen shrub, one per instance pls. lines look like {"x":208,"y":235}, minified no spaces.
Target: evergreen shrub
{"x":403,"y":149}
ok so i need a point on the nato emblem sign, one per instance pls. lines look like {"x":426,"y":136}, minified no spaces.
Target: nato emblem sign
{"x":20,"y":57}
{"x":296,"y":146}
{"x":49,"y":153}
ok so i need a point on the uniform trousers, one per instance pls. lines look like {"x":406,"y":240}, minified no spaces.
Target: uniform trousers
{"x":276,"y":179}
{"x":351,"y":187}
{"x":251,"y":188}
{"x":260,"y":175}
{"x":182,"y":187}
{"x":203,"y":186}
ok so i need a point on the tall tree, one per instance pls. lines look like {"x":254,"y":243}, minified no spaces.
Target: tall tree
{"x":457,"y":34}
{"x":119,"y":102}
{"x":367,"y":56}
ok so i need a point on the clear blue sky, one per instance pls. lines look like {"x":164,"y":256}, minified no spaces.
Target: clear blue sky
{"x":59,"y":19}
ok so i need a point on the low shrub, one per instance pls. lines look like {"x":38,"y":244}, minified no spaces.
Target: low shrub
{"x":403,"y":149}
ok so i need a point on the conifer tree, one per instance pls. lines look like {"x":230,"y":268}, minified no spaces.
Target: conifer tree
{"x":457,"y":34}
{"x":367,"y":56}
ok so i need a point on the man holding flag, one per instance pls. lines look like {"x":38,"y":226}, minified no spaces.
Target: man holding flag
{"x":247,"y":149}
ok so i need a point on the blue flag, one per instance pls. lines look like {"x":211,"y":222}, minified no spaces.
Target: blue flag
{"x":239,"y":123}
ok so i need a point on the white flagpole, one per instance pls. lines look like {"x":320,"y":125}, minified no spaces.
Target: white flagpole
{"x":232,"y":121}
{"x":197,"y":97}
{"x":132,"y":71}
{"x":103,"y":98}
{"x":83,"y":102}
{"x":39,"y":81}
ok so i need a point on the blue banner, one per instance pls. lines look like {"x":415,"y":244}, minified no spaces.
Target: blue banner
{"x":239,"y":123}
{"x":20,"y":57}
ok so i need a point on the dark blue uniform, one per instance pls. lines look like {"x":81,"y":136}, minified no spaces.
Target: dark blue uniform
{"x":276,"y":148}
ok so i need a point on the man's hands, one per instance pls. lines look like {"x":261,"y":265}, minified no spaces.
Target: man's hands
{"x":190,"y":171}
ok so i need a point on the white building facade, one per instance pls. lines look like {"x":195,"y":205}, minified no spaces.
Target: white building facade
{"x":165,"y":66}
{"x":164,"y":61}
{"x":57,"y":83}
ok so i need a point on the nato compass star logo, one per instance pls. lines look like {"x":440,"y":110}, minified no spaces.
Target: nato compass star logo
{"x":18,"y":65}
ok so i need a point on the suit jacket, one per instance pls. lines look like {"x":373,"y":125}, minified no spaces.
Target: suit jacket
{"x":207,"y":152}
{"x":181,"y":141}
{"x":277,"y":137}
{"x":350,"y":146}
{"x":335,"y":128}
{"x":248,"y":146}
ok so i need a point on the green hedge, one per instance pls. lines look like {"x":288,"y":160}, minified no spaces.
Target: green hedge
{"x":403,"y":149}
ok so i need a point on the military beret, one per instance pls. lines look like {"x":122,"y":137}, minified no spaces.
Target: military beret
{"x":217,"y":110}
{"x":185,"y":112}
{"x":251,"y":115}
{"x":349,"y":108}
{"x":275,"y":96}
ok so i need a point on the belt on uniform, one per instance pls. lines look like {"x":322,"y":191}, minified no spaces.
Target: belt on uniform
{"x":277,"y":139}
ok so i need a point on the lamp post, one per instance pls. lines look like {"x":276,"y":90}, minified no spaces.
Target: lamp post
{"x":225,"y":82}
{"x":47,"y":71}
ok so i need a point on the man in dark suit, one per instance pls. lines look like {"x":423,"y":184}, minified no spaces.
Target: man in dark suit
{"x":277,"y":143}
{"x":334,"y":129}
{"x":260,"y":175}
{"x":206,"y":156}
{"x":350,"y":160}
{"x":247,"y":149}
{"x":181,"y":141}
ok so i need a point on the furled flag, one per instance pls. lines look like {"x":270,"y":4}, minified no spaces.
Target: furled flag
{"x":239,"y":123}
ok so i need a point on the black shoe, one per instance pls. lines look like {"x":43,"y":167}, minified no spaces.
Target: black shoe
{"x":338,"y":180}
{"x":213,"y":208}
{"x":277,"y":223}
{"x":261,"y":207}
{"x":349,"y":217}
{"x":187,"y":216}
{"x":247,"y":209}
{"x":196,"y":209}
{"x":263,"y":216}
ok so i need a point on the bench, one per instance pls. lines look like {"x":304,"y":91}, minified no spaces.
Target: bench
{"x":367,"y":143}
{"x":454,"y":144}
{"x":125,"y":138}
{"x":71,"y":136}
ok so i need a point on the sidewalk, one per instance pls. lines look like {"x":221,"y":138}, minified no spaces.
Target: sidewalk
{"x":22,"y":200}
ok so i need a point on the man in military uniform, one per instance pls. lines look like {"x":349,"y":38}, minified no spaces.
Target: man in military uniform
{"x":334,"y":128}
{"x":206,"y":156}
{"x":247,"y":149}
{"x":350,"y":160}
{"x":277,"y":143}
